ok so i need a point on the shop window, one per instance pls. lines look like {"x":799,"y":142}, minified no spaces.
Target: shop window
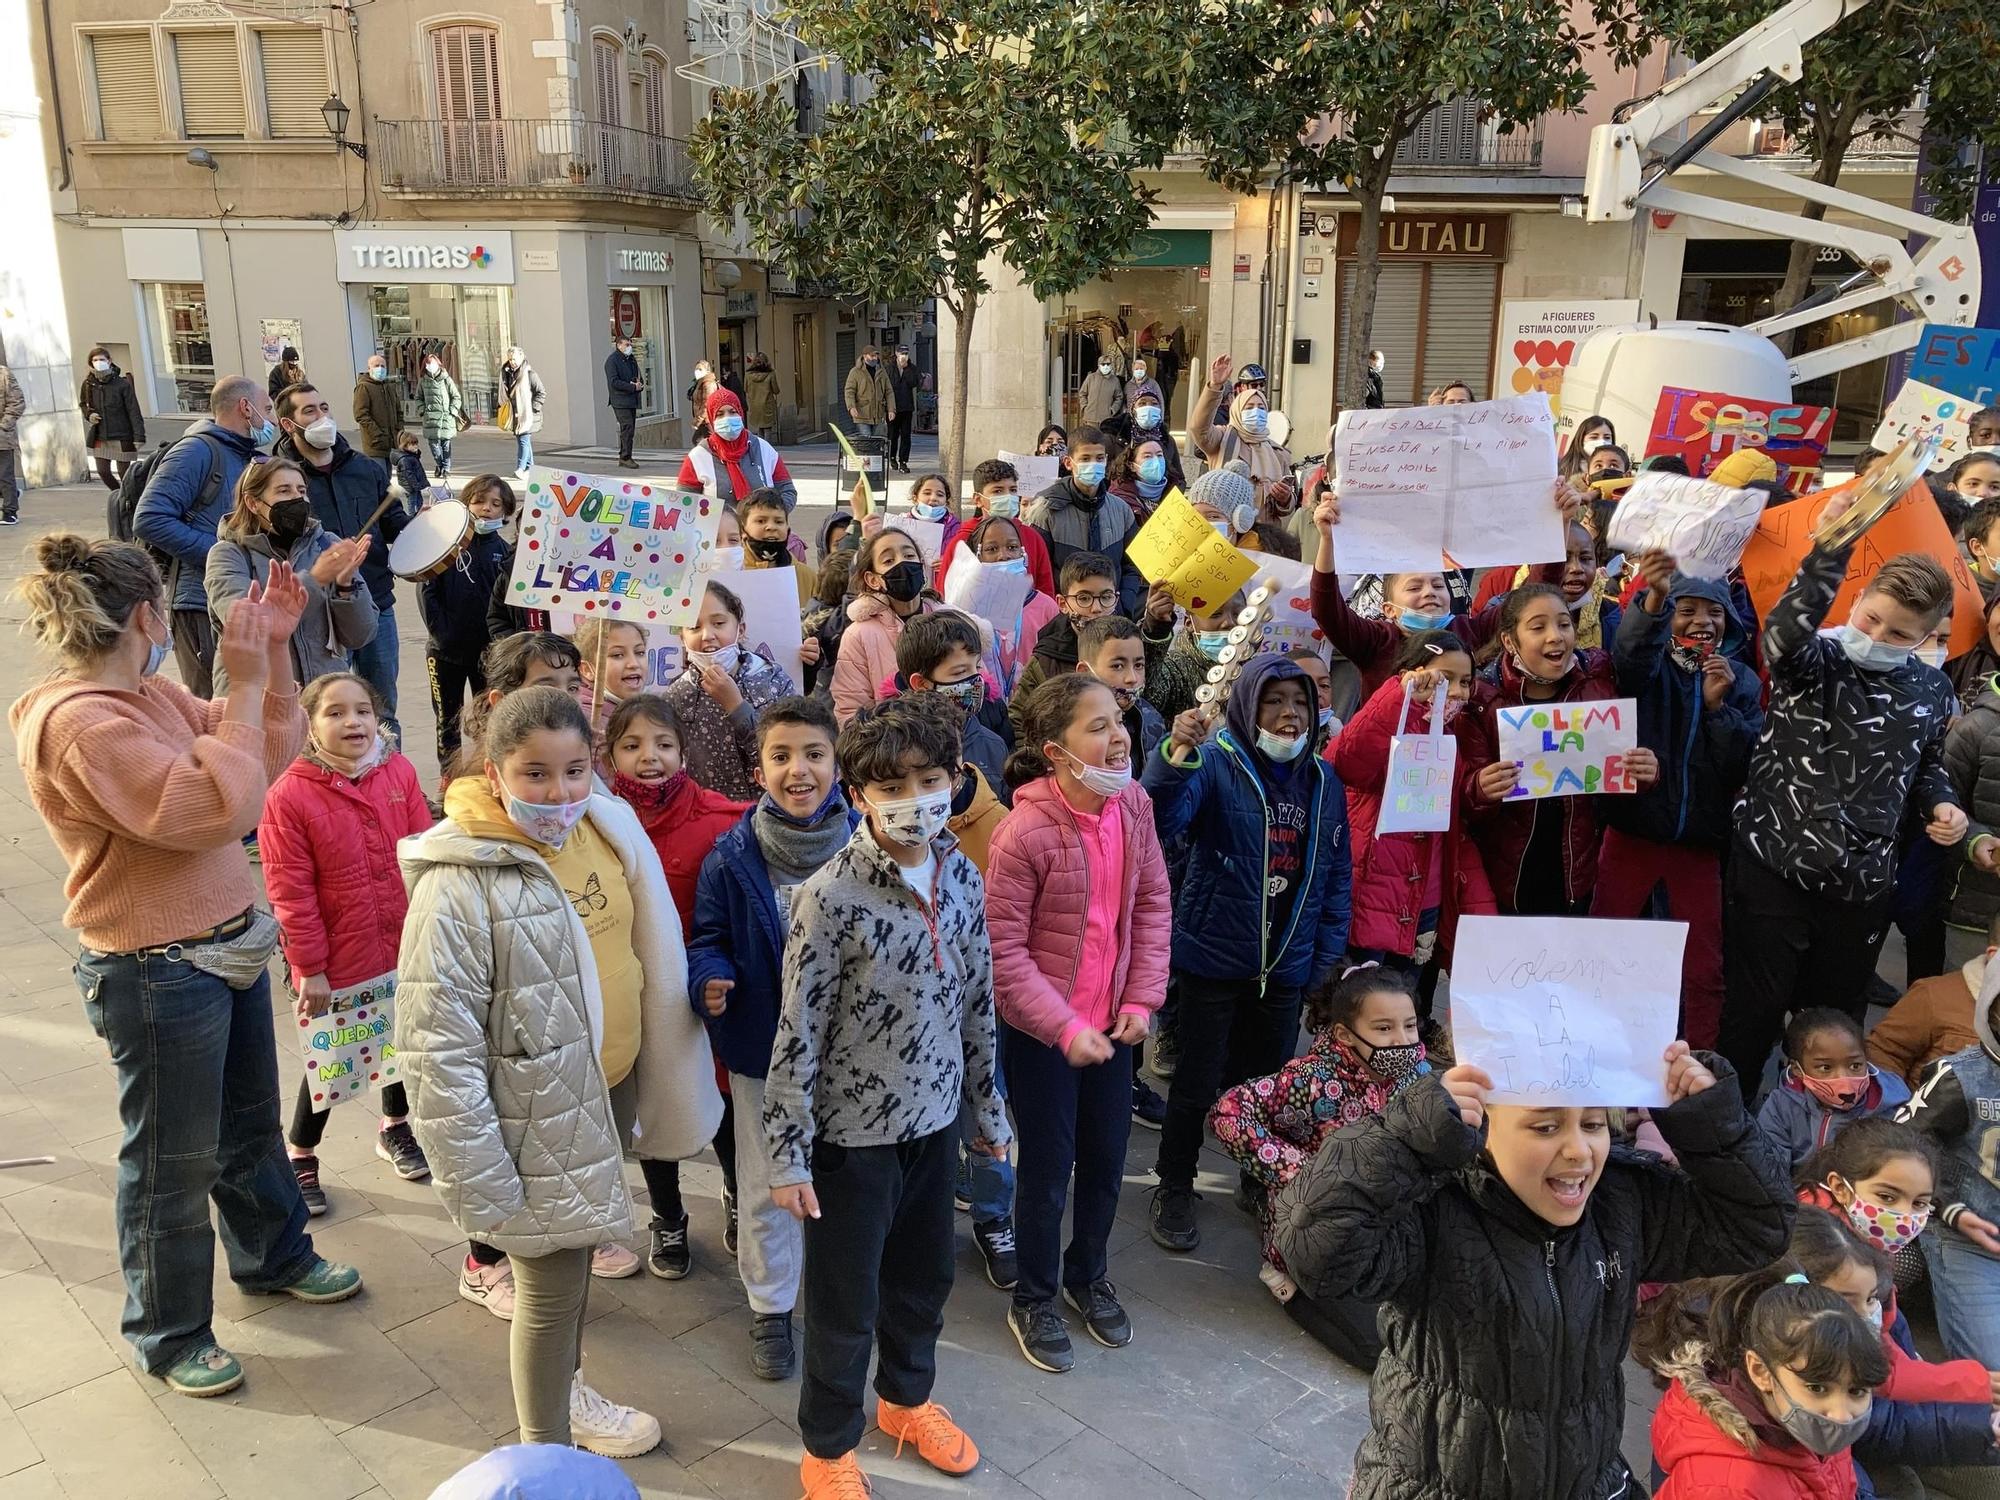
{"x":183,"y":359}
{"x":641,"y":314}
{"x":128,"y":86}
{"x":209,"y":69}
{"x":468,"y":328}
{"x":293,"y":60}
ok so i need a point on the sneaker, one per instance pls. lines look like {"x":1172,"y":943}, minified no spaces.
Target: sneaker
{"x":606,"y":1428}
{"x":774,"y":1355}
{"x":1163,"y":1052}
{"x":306,"y":1169}
{"x":16,"y":521}
{"x":1148,"y":1108}
{"x":1173,"y":1219}
{"x":612,"y":1261}
{"x":1044,"y":1339}
{"x":490,"y":1287}
{"x":210,"y":1371}
{"x":326,"y":1281}
{"x":728,"y":1219}
{"x":995,"y":1239}
{"x":521,"y":473}
{"x":1102,"y":1313}
{"x":834,"y":1478}
{"x":667,"y":1249}
{"x":941,"y":1442}
{"x":628,"y":463}
{"x":1277,"y":1283}
{"x":397,"y":1145}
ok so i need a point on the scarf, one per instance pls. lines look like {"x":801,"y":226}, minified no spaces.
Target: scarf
{"x":794,"y":849}
{"x":1267,"y":462}
{"x":656,"y":802}
{"x":1151,"y":492}
{"x":731,"y":454}
{"x":352,"y":767}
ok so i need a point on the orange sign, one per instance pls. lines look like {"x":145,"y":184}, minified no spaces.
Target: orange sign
{"x":1913,"y":524}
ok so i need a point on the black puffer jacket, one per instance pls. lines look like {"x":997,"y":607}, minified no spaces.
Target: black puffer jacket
{"x":1972,"y":760}
{"x":1502,"y":1373}
{"x":1845,"y":753}
{"x":111,"y":399}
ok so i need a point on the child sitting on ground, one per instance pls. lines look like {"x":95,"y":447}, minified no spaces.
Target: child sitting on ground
{"x":1934,"y":1019}
{"x":1828,"y":1083}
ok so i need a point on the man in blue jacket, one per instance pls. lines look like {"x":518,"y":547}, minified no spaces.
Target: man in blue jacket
{"x":1263,"y":906}
{"x":345,"y":487}
{"x":190,"y":489}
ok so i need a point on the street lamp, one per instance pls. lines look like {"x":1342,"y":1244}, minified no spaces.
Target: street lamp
{"x":335,"y":113}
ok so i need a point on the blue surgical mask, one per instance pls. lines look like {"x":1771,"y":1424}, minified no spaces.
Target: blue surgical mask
{"x":1416,"y":619}
{"x":1256,"y":420}
{"x":156,"y":653}
{"x":489,"y":525}
{"x":1147,"y":416}
{"x":1089,"y":475}
{"x":925,"y":511}
{"x":729,"y":427}
{"x":1004,"y":506}
{"x":266,"y":434}
{"x":1013,"y":565}
{"x":1930,"y":656}
{"x":1278,"y":747}
{"x":378,"y":374}
{"x":1866,"y":653}
{"x":1211,"y":642}
{"x":1153,"y":470}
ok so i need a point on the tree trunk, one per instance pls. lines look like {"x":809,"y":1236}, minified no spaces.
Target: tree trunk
{"x":961,"y":365}
{"x":1799,"y":266}
{"x":1368,"y":192}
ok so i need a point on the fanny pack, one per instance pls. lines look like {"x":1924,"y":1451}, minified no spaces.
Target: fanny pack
{"x":238,"y":960}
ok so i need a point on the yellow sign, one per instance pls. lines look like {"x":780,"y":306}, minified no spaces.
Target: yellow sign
{"x":1180,"y":549}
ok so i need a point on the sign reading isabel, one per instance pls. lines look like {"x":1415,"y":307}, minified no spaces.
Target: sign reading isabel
{"x":610,"y":547}
{"x":469,"y":256}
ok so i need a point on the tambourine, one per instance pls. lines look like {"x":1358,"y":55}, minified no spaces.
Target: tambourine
{"x":1882,"y":488}
{"x":1245,"y":636}
{"x":427,"y":546}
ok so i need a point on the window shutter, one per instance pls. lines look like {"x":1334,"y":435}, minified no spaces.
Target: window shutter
{"x":128,"y":89}
{"x":211,"y":78}
{"x":466,"y":64}
{"x":1398,"y":293}
{"x":1458,"y":324}
{"x":609,"y":59}
{"x":656,"y":97}
{"x":295,"y":81}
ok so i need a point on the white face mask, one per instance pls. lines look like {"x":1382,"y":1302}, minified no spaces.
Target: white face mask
{"x":545,"y":823}
{"x":1278,"y":747}
{"x":102,"y":366}
{"x":1105,"y":781}
{"x":431,"y":367}
{"x":321,"y":433}
{"x":913,"y":820}
{"x":1592,"y":444}
{"x":1104,"y":367}
{"x":1867,"y":653}
{"x":1930,"y":656}
{"x":724,"y":657}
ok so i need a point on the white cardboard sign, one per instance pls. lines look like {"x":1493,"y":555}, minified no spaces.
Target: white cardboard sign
{"x":1704,"y":525}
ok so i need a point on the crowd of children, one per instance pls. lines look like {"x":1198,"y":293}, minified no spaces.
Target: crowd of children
{"x":904,"y":934}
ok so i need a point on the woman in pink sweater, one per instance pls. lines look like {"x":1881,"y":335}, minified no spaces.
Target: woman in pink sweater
{"x":1080,"y":919}
{"x":147,"y":792}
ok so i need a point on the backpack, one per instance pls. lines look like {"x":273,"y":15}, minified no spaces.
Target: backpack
{"x":124,"y":502}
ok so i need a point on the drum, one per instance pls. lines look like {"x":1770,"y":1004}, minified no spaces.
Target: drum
{"x":431,"y":542}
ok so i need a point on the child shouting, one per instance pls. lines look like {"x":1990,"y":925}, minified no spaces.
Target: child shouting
{"x":887,"y":1023}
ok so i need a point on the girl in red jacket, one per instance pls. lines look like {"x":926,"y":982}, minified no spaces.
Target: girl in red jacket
{"x":1772,"y":1407}
{"x":329,"y":832}
{"x":1409,"y":888}
{"x":684,"y":819}
{"x":1080,"y":920}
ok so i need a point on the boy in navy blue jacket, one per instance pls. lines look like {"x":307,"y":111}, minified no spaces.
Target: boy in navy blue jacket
{"x":736,"y":950}
{"x":1262,"y":910}
{"x":1683,"y":654}
{"x":455,"y":603}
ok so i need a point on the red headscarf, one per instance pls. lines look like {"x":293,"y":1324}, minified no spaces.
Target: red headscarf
{"x":731,"y":454}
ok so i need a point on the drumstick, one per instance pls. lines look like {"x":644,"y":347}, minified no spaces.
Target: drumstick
{"x":380,"y":511}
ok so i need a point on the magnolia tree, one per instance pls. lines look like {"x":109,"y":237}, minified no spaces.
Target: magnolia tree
{"x":995,"y":127}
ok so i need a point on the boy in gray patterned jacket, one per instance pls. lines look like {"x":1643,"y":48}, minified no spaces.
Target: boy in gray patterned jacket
{"x":886,"y":1023}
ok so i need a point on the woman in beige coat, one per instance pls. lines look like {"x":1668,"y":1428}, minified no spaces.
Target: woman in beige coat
{"x":542,"y":1022}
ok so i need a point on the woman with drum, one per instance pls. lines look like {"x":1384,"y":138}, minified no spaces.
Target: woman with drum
{"x":456,"y":552}
{"x":273,"y":523}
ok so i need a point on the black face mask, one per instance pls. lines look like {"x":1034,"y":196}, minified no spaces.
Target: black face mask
{"x":289,"y":519}
{"x":904,"y":581}
{"x":767,"y":549}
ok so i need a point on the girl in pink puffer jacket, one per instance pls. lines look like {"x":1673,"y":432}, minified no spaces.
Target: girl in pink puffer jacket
{"x":1079,"y":917}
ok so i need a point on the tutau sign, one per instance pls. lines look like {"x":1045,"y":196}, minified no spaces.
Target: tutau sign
{"x":1431,"y":236}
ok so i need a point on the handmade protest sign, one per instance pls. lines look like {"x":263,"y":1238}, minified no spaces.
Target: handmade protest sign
{"x":1567,"y":1010}
{"x":614,"y":548}
{"x":351,"y":1048}
{"x":1912,"y":524}
{"x":1033,"y":473}
{"x":1178,"y":548}
{"x":928,"y":535}
{"x":1920,"y":408}
{"x":1416,"y":791}
{"x":1570,"y":749}
{"x":770,"y":615}
{"x":1705,"y":427}
{"x":1705,"y":526}
{"x":1431,"y":486}
{"x":1289,"y":621}
{"x":985,"y":591}
{"x":664,"y":657}
{"x":1963,"y":361}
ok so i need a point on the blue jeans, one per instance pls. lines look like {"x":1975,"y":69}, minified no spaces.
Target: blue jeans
{"x":524,"y":450}
{"x":985,"y":1180}
{"x":198,"y":1096}
{"x":871,"y":429}
{"x":1965,"y":1285}
{"x":440,"y":453}
{"x":377,"y":661}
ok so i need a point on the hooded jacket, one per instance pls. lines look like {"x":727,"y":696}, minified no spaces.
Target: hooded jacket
{"x":1798,"y":1124}
{"x":1846,"y":754}
{"x":457,"y":604}
{"x":1071,"y":522}
{"x":378,"y":413}
{"x":761,"y":397}
{"x":1933,"y":1020}
{"x":1220,"y":802}
{"x":1712,"y":1448}
{"x":1972,"y":761}
{"x":335,"y":621}
{"x":1504,"y":1338}
{"x":720,"y":749}
{"x":170,"y":515}
{"x":112,"y":400}
{"x":739,"y":935}
{"x":1038,"y":908}
{"x":1704,"y":753}
{"x":344,"y":495}
{"x":329,"y":855}
{"x":1392,"y":872}
{"x":1504,"y":830}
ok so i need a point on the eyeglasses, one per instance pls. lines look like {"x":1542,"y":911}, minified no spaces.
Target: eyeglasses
{"x":1102,"y":600}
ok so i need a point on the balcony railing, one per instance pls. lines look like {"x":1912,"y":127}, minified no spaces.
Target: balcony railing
{"x":1452,"y":136}
{"x":1890,"y":138}
{"x":558,"y":157}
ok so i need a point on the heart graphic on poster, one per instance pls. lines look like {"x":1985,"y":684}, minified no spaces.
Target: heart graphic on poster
{"x":1524,"y":351}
